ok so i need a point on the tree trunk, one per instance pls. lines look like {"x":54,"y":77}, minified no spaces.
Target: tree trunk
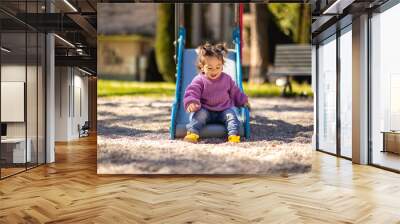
{"x":188,"y":24}
{"x":304,"y":24}
{"x":196,"y":25}
{"x":165,"y":34}
{"x":259,"y":49}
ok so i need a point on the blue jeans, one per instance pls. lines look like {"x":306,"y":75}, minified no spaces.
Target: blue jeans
{"x":203,"y":116}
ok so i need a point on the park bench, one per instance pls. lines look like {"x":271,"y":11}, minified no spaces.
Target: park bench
{"x":291,"y":60}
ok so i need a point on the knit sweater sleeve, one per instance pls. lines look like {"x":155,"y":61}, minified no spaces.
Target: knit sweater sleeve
{"x":193,"y":92}
{"x":238,"y":98}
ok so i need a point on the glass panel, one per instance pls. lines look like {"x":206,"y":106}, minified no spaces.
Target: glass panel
{"x":41,"y":79}
{"x":385,"y":83}
{"x":31,"y":98}
{"x":327,"y":96}
{"x":22,"y":88}
{"x":31,"y":86}
{"x":346,"y":92}
{"x":41,"y":98}
{"x":13,"y":87}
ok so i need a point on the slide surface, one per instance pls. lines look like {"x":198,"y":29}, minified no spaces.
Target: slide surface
{"x":188,"y":73}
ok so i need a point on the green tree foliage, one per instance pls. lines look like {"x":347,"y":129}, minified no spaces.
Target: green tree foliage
{"x":293,"y":19}
{"x":165,"y":34}
{"x":276,"y":35}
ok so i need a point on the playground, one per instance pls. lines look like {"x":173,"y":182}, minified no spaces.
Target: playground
{"x":134,"y":139}
{"x":140,"y":130}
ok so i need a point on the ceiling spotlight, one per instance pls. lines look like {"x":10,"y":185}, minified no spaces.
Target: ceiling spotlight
{"x":70,"y":5}
{"x":80,"y":51}
{"x":5,"y":50}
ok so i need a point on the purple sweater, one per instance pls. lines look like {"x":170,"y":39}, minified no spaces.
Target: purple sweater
{"x":215,"y":95}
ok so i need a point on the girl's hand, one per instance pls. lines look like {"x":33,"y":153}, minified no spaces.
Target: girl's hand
{"x":247,"y":104}
{"x":193,"y":107}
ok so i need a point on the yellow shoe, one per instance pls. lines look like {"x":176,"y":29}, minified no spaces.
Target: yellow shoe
{"x":191,"y":137}
{"x":234,"y":139}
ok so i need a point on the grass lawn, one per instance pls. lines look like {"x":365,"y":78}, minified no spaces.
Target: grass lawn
{"x":269,"y":89}
{"x":159,"y":89}
{"x":124,"y":88}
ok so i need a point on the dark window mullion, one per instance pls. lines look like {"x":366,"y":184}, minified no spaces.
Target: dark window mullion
{"x":37,"y":91}
{"x":317,"y":97}
{"x":44,"y":72}
{"x":45,"y":94}
{"x":369,"y":95}
{"x":26,"y":87}
{"x":338,"y":98}
{"x":1,"y":164}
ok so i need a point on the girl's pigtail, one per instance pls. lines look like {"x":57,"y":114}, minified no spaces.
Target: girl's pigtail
{"x":222,"y":49}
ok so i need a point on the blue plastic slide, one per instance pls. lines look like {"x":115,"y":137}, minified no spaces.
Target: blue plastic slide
{"x":186,"y":71}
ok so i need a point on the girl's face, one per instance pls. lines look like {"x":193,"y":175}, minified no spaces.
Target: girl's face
{"x":212,"y":67}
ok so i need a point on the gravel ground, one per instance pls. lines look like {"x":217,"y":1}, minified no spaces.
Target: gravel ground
{"x":133,"y":138}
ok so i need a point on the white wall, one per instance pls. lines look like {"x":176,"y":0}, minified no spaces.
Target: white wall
{"x":70,"y":84}
{"x":82,"y":82}
{"x":13,"y":73}
{"x":80,"y":89}
{"x":62,"y":81}
{"x":33,"y":125}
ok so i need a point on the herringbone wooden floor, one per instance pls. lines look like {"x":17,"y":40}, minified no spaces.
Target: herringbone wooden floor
{"x":70,"y":191}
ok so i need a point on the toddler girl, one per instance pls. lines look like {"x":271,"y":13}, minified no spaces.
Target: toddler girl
{"x":212,"y":94}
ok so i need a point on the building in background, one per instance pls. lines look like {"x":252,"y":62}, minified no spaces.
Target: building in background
{"x":126,"y":36}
